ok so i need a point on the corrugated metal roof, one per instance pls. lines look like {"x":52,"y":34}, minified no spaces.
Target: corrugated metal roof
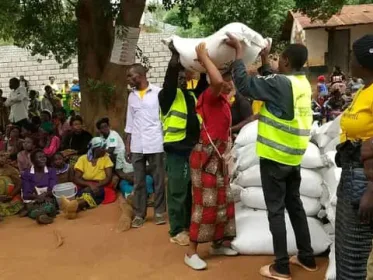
{"x":349,"y":15}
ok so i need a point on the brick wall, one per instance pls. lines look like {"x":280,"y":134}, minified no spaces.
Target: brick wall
{"x":15,"y":62}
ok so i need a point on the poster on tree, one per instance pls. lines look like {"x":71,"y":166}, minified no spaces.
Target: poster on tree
{"x":124,"y":47}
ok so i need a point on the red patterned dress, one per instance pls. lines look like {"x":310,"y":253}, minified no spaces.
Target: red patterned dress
{"x":213,"y":217}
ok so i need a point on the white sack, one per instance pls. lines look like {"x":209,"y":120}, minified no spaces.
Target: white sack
{"x":254,"y":198}
{"x":248,"y":134}
{"x":311,"y":184}
{"x":254,"y":237}
{"x":331,"y":177}
{"x":250,"y":177}
{"x":220,"y":53}
{"x":236,"y":191}
{"x":246,"y":157}
{"x":322,"y":140}
{"x":312,"y":157}
{"x":334,"y":128}
{"x":321,"y":137}
{"x":332,"y":145}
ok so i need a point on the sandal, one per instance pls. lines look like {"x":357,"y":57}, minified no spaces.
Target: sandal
{"x":268,"y":272}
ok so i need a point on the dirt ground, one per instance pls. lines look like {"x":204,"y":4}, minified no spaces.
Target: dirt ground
{"x":92,"y":250}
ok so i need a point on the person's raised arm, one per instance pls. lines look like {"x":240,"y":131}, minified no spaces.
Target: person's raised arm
{"x":168,"y":93}
{"x":216,"y":79}
{"x":201,"y":86}
{"x":270,"y":88}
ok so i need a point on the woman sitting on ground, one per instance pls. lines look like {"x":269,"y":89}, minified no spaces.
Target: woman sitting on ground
{"x":23,"y":157}
{"x":75,"y":144}
{"x":10,"y":189}
{"x":37,"y":185}
{"x":64,"y":172}
{"x":93,"y":176}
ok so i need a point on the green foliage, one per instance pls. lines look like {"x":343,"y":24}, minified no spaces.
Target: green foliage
{"x":106,"y":90}
{"x":172,"y":17}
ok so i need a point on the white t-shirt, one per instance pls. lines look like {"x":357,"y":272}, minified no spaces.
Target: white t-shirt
{"x":114,"y":141}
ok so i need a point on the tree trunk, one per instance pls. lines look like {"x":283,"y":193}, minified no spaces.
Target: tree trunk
{"x":95,"y":42}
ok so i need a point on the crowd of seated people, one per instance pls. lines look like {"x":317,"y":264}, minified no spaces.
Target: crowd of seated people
{"x":53,"y":149}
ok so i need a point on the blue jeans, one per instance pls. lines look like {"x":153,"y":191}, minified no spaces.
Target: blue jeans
{"x":126,"y":188}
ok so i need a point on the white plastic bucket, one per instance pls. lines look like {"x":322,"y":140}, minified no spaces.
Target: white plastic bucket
{"x":69,"y":190}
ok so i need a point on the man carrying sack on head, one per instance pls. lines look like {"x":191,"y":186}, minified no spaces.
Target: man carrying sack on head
{"x":284,"y":126}
{"x":181,"y":129}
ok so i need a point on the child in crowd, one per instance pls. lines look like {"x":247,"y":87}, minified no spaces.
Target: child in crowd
{"x":37,"y":185}
{"x":23,"y":157}
{"x":126,"y":174}
{"x":34,"y":105}
{"x":64,"y":172}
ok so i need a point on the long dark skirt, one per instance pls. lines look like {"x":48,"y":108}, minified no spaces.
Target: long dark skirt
{"x":353,"y":239}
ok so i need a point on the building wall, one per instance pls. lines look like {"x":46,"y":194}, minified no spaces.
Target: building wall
{"x":316,"y":40}
{"x":359,"y":31}
{"x":317,"y":44}
{"x":15,"y":62}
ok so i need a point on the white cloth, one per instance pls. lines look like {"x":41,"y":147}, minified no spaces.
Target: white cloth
{"x":114,"y":141}
{"x":18,"y":102}
{"x":54,"y":86}
{"x":143,"y":122}
{"x":46,"y":104}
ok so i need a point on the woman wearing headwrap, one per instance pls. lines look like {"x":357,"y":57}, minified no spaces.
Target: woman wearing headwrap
{"x":353,"y":240}
{"x":93,"y":176}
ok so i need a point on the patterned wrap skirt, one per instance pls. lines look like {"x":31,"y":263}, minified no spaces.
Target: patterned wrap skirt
{"x":353,"y":239}
{"x":213,"y":214}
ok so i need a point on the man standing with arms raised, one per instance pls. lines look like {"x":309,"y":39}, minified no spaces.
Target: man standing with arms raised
{"x":144,"y":143}
{"x":284,"y":126}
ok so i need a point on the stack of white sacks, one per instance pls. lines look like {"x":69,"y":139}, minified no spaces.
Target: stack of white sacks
{"x":320,"y":178}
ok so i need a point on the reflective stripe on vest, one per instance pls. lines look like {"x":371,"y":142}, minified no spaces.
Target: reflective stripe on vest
{"x":175,"y":121}
{"x":286,"y":141}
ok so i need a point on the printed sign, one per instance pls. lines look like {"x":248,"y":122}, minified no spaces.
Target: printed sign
{"x":124,"y":48}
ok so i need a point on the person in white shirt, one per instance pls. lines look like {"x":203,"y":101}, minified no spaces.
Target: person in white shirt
{"x":18,"y":102}
{"x":53,"y":85}
{"x":144,"y":142}
{"x":113,"y":141}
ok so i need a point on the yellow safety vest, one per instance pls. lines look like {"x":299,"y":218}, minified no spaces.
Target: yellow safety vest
{"x":286,"y":141}
{"x":175,"y":121}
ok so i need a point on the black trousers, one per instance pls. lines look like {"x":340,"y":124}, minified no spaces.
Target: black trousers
{"x":281,"y":185}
